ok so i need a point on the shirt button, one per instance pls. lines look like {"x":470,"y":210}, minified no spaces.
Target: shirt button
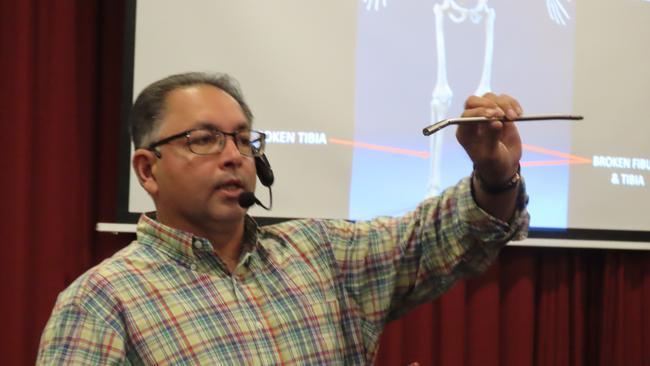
{"x":193,"y":266}
{"x":260,"y":325}
{"x":198,"y":244}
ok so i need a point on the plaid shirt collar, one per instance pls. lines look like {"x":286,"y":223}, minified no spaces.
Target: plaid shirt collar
{"x":182,"y":244}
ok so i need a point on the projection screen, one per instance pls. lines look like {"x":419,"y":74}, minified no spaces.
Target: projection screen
{"x":344,"y":88}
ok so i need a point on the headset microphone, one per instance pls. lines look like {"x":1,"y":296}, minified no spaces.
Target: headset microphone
{"x":247,"y":199}
{"x":265,"y":175}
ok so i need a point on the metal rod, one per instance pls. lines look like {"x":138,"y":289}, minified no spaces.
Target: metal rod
{"x":463,"y":120}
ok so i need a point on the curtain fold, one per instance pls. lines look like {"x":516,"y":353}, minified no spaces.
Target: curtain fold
{"x":534,"y":306}
{"x":60,"y":103}
{"x":50,"y":106}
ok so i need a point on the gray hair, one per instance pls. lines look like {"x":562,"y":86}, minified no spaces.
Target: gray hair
{"x":148,"y":107}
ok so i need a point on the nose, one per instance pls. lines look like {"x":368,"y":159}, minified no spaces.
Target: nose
{"x":230,"y":155}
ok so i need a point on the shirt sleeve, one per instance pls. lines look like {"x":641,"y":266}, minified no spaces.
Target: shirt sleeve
{"x":391,"y":265}
{"x":77,"y":335}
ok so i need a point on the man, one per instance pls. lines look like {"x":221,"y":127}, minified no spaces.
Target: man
{"x":203,"y":284}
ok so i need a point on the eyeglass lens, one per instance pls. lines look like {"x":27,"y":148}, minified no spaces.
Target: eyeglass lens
{"x":203,"y":142}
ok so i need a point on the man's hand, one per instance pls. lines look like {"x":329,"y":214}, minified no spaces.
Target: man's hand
{"x":495,"y":149}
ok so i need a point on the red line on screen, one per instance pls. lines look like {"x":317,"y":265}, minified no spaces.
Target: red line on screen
{"x":573,"y":158}
{"x":568,"y":158}
{"x":389,"y":149}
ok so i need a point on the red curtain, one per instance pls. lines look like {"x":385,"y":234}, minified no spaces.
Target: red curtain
{"x":535,"y":306}
{"x":60,"y":106}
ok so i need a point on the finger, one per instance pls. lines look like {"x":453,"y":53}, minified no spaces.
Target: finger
{"x":512,"y":103}
{"x":518,"y":107}
{"x":509,"y":105}
{"x":510,"y":134}
{"x":486,"y":101}
{"x":506,"y":103}
{"x":491,"y":133}
{"x":477,"y":133}
{"x":493,"y":111}
{"x":467,"y":132}
{"x":490,"y":95}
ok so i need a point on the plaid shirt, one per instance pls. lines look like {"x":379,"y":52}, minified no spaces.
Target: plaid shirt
{"x":305,"y":292}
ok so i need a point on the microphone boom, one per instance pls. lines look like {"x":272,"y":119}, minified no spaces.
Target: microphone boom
{"x":247,"y":199}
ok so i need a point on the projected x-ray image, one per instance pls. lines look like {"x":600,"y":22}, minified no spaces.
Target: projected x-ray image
{"x":442,"y":94}
{"x":556,"y":10}
{"x":453,"y":48}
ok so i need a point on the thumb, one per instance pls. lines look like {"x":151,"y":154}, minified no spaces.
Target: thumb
{"x":492,"y":131}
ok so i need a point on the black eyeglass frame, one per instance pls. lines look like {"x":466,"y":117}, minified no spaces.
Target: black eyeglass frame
{"x":256,"y":152}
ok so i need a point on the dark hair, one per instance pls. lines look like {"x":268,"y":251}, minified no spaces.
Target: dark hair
{"x":148,"y":107}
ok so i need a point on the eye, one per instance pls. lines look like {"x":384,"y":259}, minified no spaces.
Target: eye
{"x":244,"y":138}
{"x":202,"y":139}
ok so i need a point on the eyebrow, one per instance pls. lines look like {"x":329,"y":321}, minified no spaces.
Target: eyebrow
{"x":241,"y":126}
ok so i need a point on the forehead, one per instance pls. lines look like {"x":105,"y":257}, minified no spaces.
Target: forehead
{"x":198,"y":105}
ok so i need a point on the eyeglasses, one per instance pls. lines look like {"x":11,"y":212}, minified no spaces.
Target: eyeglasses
{"x":207,"y":141}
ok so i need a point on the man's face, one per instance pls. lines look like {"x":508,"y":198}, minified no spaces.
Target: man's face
{"x":195,"y":192}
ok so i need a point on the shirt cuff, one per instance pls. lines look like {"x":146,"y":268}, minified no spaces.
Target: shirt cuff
{"x":488,"y":228}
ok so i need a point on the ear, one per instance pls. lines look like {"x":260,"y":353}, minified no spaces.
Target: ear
{"x":144,"y":165}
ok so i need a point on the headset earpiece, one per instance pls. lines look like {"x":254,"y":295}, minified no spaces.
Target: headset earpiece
{"x":264,"y":172}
